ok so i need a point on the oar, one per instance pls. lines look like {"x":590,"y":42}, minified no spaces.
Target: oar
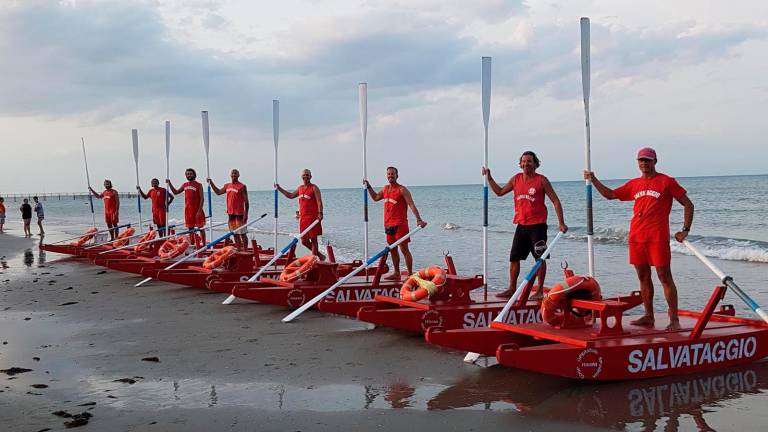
{"x":178,"y":234}
{"x":88,"y":179}
{"x":363,"y":108}
{"x":290,"y":317}
{"x":728,"y":281}
{"x":585,"y":84}
{"x":275,"y":257}
{"x":486,"y":118}
{"x":135,"y":136}
{"x":95,"y":233}
{"x":275,"y":137}
{"x":207,"y":145}
{"x":209,"y":245}
{"x":167,"y":168}
{"x":472,"y":357}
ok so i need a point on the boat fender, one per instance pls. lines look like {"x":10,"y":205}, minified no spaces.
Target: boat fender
{"x":173,"y":247}
{"x":298,"y":268}
{"x":219,"y":257}
{"x":580,"y":287}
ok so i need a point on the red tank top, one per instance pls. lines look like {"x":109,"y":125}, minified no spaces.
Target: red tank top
{"x":110,"y":200}
{"x":529,"y":200}
{"x":395,"y":208}
{"x":307,"y":202}
{"x":193,"y":196}
{"x":235,"y":198}
{"x":157,"y":196}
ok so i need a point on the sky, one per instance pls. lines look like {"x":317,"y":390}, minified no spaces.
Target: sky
{"x":686,"y":77}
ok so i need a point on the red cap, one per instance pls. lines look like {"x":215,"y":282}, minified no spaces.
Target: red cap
{"x":646,"y":153}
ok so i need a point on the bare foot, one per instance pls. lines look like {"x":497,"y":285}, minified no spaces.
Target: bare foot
{"x":674,"y":325}
{"x":393,"y":276}
{"x":645,"y":321}
{"x":505,"y":294}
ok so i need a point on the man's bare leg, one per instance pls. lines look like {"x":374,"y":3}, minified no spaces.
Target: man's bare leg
{"x":408,"y":257}
{"x":40,"y":225}
{"x":541,"y":275}
{"x":514,"y":272}
{"x":670,"y":293}
{"x":646,"y":291}
{"x":395,"y":275}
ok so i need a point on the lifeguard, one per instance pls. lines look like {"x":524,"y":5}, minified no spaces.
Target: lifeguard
{"x":237,"y":206}
{"x":194,"y":216}
{"x":160,"y":200}
{"x":310,"y":209}
{"x":111,"y":200}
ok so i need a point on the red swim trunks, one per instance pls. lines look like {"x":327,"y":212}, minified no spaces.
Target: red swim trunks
{"x":316,"y":230}
{"x":656,"y":253}
{"x":194,"y":221}
{"x":395,"y":233}
{"x":111,"y":218}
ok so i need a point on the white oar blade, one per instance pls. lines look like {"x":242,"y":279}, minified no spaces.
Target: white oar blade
{"x":229,"y":300}
{"x":135,"y":137}
{"x":275,"y":121}
{"x":363,"y":101}
{"x":486,"y":90}
{"x":167,"y":139}
{"x":585,"y":58}
{"x":471,"y":357}
{"x":206,"y":132}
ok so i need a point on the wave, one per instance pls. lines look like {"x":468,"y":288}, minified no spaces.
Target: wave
{"x":730,"y":249}
{"x":450,"y":226}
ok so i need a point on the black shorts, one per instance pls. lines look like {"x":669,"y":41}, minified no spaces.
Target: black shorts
{"x":528,"y":239}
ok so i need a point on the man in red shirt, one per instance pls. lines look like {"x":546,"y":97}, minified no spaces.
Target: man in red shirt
{"x":194,"y":216}
{"x":652,"y":193}
{"x":111,"y":207}
{"x":310,"y":209}
{"x":397,"y":199}
{"x":528,"y":189}
{"x":237,"y":206}
{"x":160,"y":200}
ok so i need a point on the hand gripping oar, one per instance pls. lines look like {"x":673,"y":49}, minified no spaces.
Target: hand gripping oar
{"x":88,"y":179}
{"x":274,"y":259}
{"x":486,"y":85}
{"x":166,"y":237}
{"x":95,"y":233}
{"x":728,"y":281}
{"x":585,"y":84}
{"x":290,"y":317}
{"x":472,"y":357}
{"x":135,"y":137}
{"x":209,"y":245}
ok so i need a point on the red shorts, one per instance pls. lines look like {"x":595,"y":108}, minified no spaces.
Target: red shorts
{"x":314,"y":232}
{"x":158,"y":218}
{"x":194,"y":221}
{"x":656,"y":254}
{"x":235,"y":222}
{"x":395,"y":233}
{"x":111,"y":219}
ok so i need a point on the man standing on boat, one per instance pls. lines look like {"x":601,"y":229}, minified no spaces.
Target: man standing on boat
{"x":310,"y":209}
{"x":528,"y":189}
{"x":194,"y":216}
{"x":111,"y":207}
{"x":237,"y":206}
{"x":160,"y":201}
{"x":652,"y":193}
{"x":397,"y":199}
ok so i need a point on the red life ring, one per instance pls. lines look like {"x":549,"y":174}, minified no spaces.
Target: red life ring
{"x":173,"y":247}
{"x":149,"y":235}
{"x":122,"y":238}
{"x":579,"y":287}
{"x":89,"y":233}
{"x":218,"y":258}
{"x":422,"y":284}
{"x":298,"y":268}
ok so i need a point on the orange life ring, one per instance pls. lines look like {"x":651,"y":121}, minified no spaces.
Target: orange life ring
{"x":149,"y":235}
{"x":218,"y":258}
{"x":298,"y":268}
{"x":574,"y":287}
{"x":422,"y":284}
{"x":121,"y":239}
{"x":89,"y":233}
{"x":173,"y":247}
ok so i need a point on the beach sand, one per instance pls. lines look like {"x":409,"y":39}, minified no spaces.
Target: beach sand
{"x":80,"y":328}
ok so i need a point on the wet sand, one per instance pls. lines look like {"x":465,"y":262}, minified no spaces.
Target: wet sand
{"x":84,"y":331}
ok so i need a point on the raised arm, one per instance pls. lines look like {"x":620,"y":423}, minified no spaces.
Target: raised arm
{"x":141,"y":192}
{"x":173,"y":189}
{"x":498,"y":190}
{"x":287,"y":194}
{"x":604,"y":190}
{"x":376,"y":196}
{"x":216,"y":190}
{"x":550,"y":192}
{"x":409,"y":200}
{"x":94,"y":193}
{"x":319,"y":200}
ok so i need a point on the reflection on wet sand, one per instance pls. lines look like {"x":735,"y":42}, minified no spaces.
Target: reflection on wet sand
{"x":639,"y":405}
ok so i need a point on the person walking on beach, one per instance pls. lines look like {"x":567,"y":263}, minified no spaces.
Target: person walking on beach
{"x":111,"y":207}
{"x":40,"y":214}
{"x":26,"y":216}
{"x":310,"y":209}
{"x":237,"y":206}
{"x":2,"y":214}
{"x":652,"y":193}
{"x":529,"y":188}
{"x":160,"y":200}
{"x":397,"y":199}
{"x":194,"y":216}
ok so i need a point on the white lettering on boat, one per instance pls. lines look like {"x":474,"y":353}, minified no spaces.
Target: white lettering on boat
{"x":515,"y":316}
{"x":361,"y":294}
{"x":697,"y":354}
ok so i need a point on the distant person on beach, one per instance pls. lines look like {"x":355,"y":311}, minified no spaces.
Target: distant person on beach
{"x":529,"y":188}
{"x":111,"y":207}
{"x":40,"y":214}
{"x":160,"y":200}
{"x":652,"y":193}
{"x":194,"y":216}
{"x":310,"y":209}
{"x":2,"y":214}
{"x":26,"y":217}
{"x":237,"y":206}
{"x":397,"y":199}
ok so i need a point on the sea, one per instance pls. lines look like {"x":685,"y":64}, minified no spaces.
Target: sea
{"x":730,"y":226}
